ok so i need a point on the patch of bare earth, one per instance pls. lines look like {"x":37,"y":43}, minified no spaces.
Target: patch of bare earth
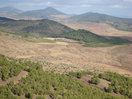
{"x":15,"y":79}
{"x":103,"y":83}
{"x":86,"y":79}
{"x":63,"y":57}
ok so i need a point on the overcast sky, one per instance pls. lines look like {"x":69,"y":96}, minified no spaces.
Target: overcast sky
{"x":120,"y":8}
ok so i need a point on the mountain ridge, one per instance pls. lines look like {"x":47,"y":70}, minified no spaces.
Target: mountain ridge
{"x":51,"y":13}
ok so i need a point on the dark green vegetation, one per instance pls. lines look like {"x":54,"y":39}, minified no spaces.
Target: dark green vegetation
{"x":119,"y":84}
{"x":43,"y":83}
{"x":10,"y":67}
{"x":90,"y":39}
{"x":44,"y":27}
{"x":118,"y":23}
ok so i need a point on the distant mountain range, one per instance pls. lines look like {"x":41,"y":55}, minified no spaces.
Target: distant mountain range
{"x":29,"y":15}
{"x":51,"y":13}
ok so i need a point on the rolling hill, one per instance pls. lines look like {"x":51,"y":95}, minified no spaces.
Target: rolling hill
{"x":118,"y":23}
{"x":44,"y":26}
{"x":92,"y":40}
{"x":5,"y":19}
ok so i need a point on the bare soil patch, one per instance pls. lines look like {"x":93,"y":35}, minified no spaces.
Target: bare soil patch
{"x":86,"y":79}
{"x":15,"y":79}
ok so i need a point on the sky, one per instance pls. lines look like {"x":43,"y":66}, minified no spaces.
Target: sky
{"x":120,"y":8}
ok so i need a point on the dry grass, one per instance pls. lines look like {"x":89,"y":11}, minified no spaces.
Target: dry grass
{"x":63,"y":57}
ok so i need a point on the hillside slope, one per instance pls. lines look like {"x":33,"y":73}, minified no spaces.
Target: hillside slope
{"x":119,"y":23}
{"x":34,"y":26}
{"x":90,"y":39}
{"x":39,"y":84}
{"x":5,"y":19}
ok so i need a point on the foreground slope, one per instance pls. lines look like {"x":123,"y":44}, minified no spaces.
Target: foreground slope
{"x":41,"y":84}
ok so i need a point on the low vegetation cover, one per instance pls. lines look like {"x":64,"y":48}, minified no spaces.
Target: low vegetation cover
{"x":80,"y":74}
{"x":95,"y":80}
{"x":41,"y":83}
{"x":10,"y":67}
{"x":119,"y":84}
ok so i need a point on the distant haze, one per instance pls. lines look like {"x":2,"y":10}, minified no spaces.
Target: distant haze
{"x":120,"y":8}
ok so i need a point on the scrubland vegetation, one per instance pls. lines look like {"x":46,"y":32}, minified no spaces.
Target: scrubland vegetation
{"x":119,"y":84}
{"x":41,"y":83}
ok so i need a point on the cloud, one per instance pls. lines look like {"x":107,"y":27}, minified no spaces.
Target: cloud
{"x":86,"y":5}
{"x":117,"y":6}
{"x":127,"y":0}
{"x":48,"y":3}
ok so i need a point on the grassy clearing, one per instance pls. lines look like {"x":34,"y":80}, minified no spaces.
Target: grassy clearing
{"x":36,"y":38}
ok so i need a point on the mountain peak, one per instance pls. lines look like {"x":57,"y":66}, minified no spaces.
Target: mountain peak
{"x":50,"y":8}
{"x":53,"y":10}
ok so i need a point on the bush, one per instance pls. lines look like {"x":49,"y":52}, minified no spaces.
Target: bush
{"x":95,"y":80}
{"x":29,"y":95}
